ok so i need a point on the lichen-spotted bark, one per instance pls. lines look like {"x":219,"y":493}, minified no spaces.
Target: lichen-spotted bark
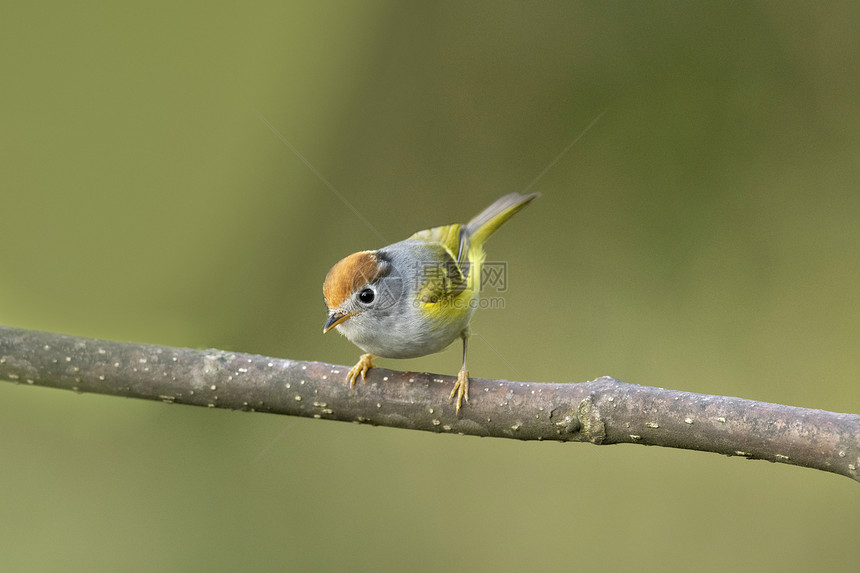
{"x":603,"y":411}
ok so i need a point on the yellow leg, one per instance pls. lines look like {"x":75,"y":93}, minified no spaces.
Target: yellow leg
{"x":461,"y":386}
{"x":365,"y":363}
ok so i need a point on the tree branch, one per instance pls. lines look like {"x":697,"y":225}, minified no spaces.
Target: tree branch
{"x":603,"y":411}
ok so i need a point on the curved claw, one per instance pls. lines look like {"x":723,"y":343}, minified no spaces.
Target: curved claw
{"x":364,"y":364}
{"x":461,"y":389}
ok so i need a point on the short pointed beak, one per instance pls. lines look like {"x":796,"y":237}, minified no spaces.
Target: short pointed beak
{"x":336,"y":318}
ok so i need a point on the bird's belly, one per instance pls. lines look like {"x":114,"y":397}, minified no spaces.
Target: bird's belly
{"x":409,"y":338}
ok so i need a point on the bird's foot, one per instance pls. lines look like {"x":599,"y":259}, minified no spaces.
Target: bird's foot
{"x":365,"y":363}
{"x":461,"y":389}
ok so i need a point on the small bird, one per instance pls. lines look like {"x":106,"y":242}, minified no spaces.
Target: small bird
{"x":417,"y":296}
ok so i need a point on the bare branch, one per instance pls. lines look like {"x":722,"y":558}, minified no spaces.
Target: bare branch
{"x":603,"y":411}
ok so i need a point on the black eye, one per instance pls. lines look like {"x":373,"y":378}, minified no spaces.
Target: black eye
{"x":366,"y":296}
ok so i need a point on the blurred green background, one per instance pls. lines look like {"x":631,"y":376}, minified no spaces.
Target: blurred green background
{"x":703,"y":235}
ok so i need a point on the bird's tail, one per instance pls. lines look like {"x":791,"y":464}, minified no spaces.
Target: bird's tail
{"x":487,"y":221}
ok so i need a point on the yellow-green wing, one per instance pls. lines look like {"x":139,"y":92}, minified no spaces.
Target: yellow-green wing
{"x":447,"y":236}
{"x":444,"y":278}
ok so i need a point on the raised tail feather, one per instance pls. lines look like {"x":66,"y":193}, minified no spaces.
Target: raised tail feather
{"x":487,"y":221}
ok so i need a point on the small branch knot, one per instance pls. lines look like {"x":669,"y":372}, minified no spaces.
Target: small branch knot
{"x":591,"y":424}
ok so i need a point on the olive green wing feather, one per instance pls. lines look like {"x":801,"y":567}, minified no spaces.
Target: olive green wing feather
{"x":444,"y":277}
